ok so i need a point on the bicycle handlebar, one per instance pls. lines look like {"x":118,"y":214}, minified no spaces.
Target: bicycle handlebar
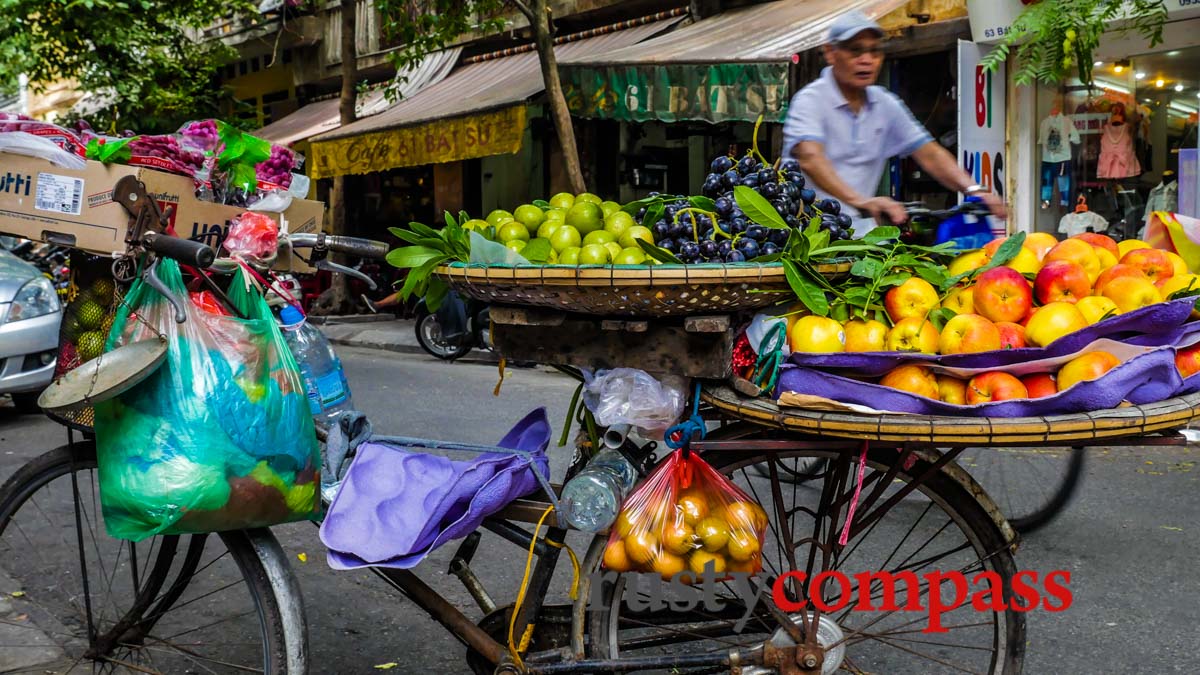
{"x":362,"y":248}
{"x":185,"y":251}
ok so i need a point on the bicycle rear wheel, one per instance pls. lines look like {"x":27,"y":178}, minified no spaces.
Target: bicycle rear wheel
{"x":938,"y":527}
{"x":171,"y":604}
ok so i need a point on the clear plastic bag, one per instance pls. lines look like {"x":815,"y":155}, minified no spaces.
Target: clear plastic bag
{"x":24,"y":143}
{"x":684,"y":517}
{"x":487,"y":252}
{"x":220,"y":436}
{"x":635,"y":397}
{"x":63,"y":138}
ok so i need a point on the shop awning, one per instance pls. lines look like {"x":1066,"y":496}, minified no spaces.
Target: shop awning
{"x":477,"y":111}
{"x":733,"y":66}
{"x":322,"y":116}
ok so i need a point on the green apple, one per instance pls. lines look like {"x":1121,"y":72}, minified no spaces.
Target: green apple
{"x":512,"y":231}
{"x":609,"y":208}
{"x":585,"y":217}
{"x":569,"y":256}
{"x":529,"y":215}
{"x":516,"y":244}
{"x":499,"y":217}
{"x":562,"y":200}
{"x":618,"y":223}
{"x":598,"y":237}
{"x":614,"y":249}
{"x":630,"y":237}
{"x":565,"y":237}
{"x":558,"y":215}
{"x":588,"y":197}
{"x":476,"y":224}
{"x":593,"y":254}
{"x":630,"y":256}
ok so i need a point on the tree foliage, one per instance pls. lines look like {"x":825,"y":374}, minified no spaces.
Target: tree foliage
{"x":1054,"y":40}
{"x":137,"y":56}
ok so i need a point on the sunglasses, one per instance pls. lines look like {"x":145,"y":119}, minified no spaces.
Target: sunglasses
{"x":856,"y":51}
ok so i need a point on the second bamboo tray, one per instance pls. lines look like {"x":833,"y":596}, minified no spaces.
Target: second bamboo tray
{"x":1054,"y":430}
{"x":630,"y":290}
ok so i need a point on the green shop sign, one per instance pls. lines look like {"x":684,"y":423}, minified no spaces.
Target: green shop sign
{"x":672,"y":93}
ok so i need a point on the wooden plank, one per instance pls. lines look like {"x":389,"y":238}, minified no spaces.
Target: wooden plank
{"x":525,"y":316}
{"x":707,"y":324}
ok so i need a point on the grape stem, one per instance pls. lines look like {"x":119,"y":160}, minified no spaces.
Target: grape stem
{"x":695,"y":228}
{"x":758,"y":154}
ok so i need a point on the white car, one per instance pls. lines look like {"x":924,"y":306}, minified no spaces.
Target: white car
{"x":30,"y":315}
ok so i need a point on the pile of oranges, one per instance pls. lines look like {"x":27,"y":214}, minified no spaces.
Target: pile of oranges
{"x":686,"y":532}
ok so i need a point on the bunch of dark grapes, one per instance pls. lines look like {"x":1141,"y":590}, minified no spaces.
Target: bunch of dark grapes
{"x":694,"y":237}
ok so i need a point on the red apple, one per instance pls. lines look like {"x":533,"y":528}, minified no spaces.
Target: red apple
{"x":1151,"y":262}
{"x":1002,"y":294}
{"x":1079,"y":252}
{"x":1187,"y":360}
{"x":1062,"y":280}
{"x":994,"y":386}
{"x":1040,"y":243}
{"x":968,"y":333}
{"x":1012,"y":335}
{"x":913,"y":298}
{"x":952,"y":390}
{"x":1115,"y":272}
{"x":1099,"y":241}
{"x":1040,"y":385}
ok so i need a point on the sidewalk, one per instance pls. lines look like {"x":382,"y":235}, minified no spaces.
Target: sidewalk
{"x":382,"y":332}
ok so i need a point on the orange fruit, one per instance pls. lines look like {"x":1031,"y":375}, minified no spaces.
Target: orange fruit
{"x":668,"y":565}
{"x":679,"y":538}
{"x":713,"y":533}
{"x":615,"y":558}
{"x":742,"y":545}
{"x":698,"y":559}
{"x":745,"y":515}
{"x":693,"y":507}
{"x":641,"y":547}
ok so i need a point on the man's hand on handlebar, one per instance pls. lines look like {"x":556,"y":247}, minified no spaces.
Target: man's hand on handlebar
{"x":884,"y":209}
{"x":994,"y":204}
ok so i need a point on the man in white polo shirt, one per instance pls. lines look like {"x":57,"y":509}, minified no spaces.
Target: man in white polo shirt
{"x":842,"y":128}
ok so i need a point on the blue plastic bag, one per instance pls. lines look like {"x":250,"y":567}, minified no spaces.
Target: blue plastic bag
{"x":220,"y":436}
{"x":966,"y":231}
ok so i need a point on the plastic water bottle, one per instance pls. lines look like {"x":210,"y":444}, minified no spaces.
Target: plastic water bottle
{"x":324,"y":378}
{"x":591,"y":499}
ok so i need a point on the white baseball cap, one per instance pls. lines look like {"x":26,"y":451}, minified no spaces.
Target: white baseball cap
{"x":850,"y":24}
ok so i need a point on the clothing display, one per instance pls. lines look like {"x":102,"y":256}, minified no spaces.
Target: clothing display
{"x":1078,"y":223}
{"x":1056,"y":134}
{"x":1056,"y":174}
{"x":1117,"y":159}
{"x":1164,"y":197}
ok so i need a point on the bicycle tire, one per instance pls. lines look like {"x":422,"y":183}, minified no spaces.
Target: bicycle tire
{"x":1031,"y":509}
{"x":271,"y":587}
{"x":962,"y":508}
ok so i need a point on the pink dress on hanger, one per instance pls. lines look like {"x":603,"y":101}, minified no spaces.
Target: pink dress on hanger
{"x":1117,"y":158}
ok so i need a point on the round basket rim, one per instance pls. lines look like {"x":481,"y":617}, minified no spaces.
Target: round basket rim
{"x":590,"y":275}
{"x":1113,"y":423}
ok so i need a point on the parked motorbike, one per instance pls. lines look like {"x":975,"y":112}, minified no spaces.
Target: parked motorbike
{"x":457,"y":327}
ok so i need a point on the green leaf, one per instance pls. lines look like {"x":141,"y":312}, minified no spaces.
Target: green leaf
{"x":774,"y":257}
{"x":840,"y":313}
{"x":842,"y":247}
{"x":450,"y":221}
{"x":413,"y":256}
{"x":881,"y":234}
{"x":660,"y":254}
{"x":940,"y":316}
{"x":420,"y":228}
{"x":653,"y":213}
{"x":857,"y":295}
{"x":541,"y":204}
{"x":818,"y":241}
{"x":703,"y":203}
{"x":808,"y":291}
{"x":1007,"y":251}
{"x":932,"y":273}
{"x":867,"y":268}
{"x":814,"y":226}
{"x":435,"y":293}
{"x":537,"y":250}
{"x":894,"y":279}
{"x":637,"y":205}
{"x":757,"y":208}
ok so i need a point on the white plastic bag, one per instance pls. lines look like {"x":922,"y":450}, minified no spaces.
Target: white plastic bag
{"x":632,"y":396}
{"x":24,"y":143}
{"x":486,"y":252}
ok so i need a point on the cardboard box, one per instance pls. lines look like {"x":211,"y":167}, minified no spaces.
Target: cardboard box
{"x":45,"y":202}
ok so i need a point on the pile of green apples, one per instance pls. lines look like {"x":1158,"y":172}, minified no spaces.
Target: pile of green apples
{"x":581,"y":230}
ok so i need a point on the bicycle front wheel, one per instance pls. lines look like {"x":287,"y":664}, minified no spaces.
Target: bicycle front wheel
{"x":171,"y":604}
{"x":937,"y":528}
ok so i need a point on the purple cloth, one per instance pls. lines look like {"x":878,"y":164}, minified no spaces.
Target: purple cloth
{"x":1145,"y":378}
{"x":395,"y":506}
{"x":1153,"y":326}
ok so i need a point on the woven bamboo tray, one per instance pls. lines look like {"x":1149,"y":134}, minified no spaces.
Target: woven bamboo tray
{"x":1129,"y":421}
{"x":633,"y":290}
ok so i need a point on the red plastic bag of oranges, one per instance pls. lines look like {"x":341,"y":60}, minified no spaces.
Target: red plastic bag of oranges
{"x":685,"y":516}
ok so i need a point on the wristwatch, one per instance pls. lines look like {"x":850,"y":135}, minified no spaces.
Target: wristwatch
{"x":972,"y":189}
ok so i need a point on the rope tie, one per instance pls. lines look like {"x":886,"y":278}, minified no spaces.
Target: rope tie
{"x":858,"y":485}
{"x":682,"y":434}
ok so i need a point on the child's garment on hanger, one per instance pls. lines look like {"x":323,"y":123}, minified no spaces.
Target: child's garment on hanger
{"x":1117,"y":158}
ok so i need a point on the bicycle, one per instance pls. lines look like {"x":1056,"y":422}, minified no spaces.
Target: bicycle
{"x":917,"y":514}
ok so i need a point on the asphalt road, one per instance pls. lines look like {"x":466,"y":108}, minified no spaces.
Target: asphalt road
{"x":1130,"y":539}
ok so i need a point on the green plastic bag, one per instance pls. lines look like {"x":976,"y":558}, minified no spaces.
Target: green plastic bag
{"x":220,"y":436}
